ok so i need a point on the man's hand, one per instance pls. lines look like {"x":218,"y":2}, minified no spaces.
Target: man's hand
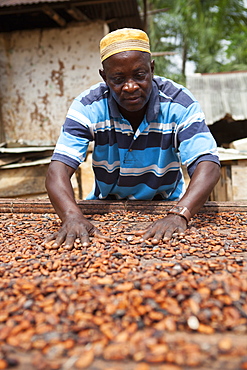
{"x":74,"y":224}
{"x":163,"y":229}
{"x":202,"y":183}
{"x":74,"y":228}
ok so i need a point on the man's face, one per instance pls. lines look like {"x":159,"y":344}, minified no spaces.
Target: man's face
{"x":129,"y":76}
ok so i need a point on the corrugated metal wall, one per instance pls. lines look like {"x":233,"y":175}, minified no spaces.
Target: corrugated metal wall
{"x":220,"y":94}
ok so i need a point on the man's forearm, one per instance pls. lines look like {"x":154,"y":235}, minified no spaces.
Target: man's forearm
{"x":60,"y":190}
{"x":201,"y":185}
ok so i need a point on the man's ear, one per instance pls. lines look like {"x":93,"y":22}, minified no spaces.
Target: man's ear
{"x":152,"y":66}
{"x":102,"y":74}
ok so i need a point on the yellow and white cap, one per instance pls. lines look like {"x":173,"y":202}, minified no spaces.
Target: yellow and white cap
{"x":124,"y":39}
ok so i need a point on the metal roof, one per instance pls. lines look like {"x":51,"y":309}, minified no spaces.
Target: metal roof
{"x":220,"y":94}
{"x":26,"y":2}
{"x":29,"y":14}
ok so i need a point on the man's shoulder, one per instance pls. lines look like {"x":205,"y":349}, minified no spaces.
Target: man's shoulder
{"x":165,"y":84}
{"x":95,"y":93}
{"x":172,"y":91}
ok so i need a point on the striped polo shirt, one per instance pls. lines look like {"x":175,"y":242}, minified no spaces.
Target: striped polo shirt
{"x":143,"y":164}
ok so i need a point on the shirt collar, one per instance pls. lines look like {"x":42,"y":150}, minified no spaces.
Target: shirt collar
{"x":113,"y":108}
{"x":153,"y":104}
{"x":152,"y":108}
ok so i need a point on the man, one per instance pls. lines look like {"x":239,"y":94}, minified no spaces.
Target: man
{"x":143,"y":128}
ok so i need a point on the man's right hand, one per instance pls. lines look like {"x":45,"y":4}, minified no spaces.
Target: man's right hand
{"x":74,"y":228}
{"x":74,"y":224}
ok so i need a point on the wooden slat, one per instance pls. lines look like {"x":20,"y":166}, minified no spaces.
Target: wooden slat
{"x":54,"y":15}
{"x":77,"y":14}
{"x":23,"y":181}
{"x":105,"y":206}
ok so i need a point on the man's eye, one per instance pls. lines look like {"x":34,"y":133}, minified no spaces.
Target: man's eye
{"x":117,"y":80}
{"x":140,"y":76}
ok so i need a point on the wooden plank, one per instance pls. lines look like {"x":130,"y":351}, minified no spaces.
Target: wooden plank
{"x":77,"y":14}
{"x":224,"y":207}
{"x":21,"y":181}
{"x":22,"y":157}
{"x":6,"y":159}
{"x":54,"y":15}
{"x":239,"y":176}
{"x":222,"y":191}
{"x":105,"y":206}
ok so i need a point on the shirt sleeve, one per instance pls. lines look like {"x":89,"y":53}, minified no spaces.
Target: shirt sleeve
{"x":75,"y":135}
{"x":195,"y":143}
{"x":205,"y":157}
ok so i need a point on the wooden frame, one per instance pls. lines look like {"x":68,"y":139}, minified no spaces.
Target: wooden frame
{"x":105,"y":206}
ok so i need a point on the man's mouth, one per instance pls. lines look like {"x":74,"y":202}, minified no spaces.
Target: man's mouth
{"x":132,"y":98}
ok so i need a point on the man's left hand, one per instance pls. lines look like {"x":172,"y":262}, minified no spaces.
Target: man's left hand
{"x":163,"y":229}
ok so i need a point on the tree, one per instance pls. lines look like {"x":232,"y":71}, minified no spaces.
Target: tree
{"x":210,"y":33}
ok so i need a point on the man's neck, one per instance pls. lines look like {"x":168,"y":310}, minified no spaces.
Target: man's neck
{"x":134,"y":118}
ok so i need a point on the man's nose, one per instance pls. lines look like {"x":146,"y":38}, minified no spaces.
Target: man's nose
{"x":130,"y":85}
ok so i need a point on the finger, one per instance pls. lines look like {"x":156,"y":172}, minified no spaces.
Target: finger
{"x":49,"y":243}
{"x":157,"y":237}
{"x":169,"y":233}
{"x":60,"y":238}
{"x":53,"y":241}
{"x":50,"y":237}
{"x":180,"y":231}
{"x":97,"y":234}
{"x":148,"y":234}
{"x":139,"y":232}
{"x":69,"y":241}
{"x":84,"y":238}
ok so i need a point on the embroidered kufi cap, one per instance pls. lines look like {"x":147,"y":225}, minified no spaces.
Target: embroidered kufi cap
{"x":123,"y":39}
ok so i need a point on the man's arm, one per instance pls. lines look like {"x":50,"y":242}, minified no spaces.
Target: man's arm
{"x":204,"y":179}
{"x":61,"y":195}
{"x":60,"y":190}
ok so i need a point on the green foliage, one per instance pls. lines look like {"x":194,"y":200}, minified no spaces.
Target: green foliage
{"x":209,"y":33}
